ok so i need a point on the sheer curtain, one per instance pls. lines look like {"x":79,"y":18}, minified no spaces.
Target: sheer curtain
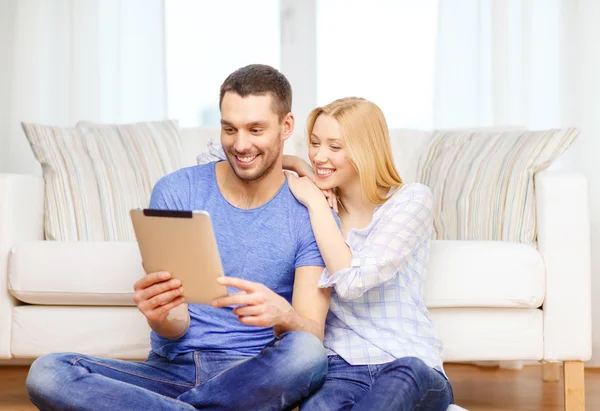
{"x":532,"y":63}
{"x":64,"y":61}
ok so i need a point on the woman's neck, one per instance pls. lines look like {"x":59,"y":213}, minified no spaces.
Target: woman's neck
{"x":354,"y":200}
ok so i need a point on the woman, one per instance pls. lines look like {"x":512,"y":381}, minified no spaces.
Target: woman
{"x":383,"y":352}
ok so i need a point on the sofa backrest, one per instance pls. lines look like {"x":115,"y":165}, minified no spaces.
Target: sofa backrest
{"x":194,"y":140}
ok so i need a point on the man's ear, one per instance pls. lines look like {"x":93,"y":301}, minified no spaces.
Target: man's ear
{"x":289,"y":122}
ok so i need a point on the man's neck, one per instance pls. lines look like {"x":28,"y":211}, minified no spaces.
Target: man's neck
{"x":248,"y":195}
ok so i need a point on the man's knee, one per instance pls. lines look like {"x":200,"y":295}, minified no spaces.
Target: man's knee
{"x":42,"y":379}
{"x":305,"y":354}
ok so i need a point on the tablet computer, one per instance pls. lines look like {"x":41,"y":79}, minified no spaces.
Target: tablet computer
{"x":182,"y":243}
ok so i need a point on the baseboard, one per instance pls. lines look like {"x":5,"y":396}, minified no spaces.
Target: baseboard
{"x":16,"y":361}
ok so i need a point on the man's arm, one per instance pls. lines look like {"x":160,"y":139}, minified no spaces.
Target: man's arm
{"x":310,"y":304}
{"x":260,"y":306}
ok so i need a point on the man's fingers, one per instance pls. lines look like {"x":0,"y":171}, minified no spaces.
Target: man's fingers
{"x":169,"y":306}
{"x":257,"y":321}
{"x":237,"y":299}
{"x":164,"y":298}
{"x":156,"y":289}
{"x":150,"y":279}
{"x":249,"y":310}
{"x":240,"y":284}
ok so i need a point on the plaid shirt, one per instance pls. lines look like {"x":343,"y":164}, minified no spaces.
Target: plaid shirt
{"x":377,"y":312}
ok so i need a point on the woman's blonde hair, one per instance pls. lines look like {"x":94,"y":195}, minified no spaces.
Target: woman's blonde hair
{"x":367,"y":141}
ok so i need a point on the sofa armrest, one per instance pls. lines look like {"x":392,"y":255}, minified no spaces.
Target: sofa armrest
{"x":21,"y":219}
{"x":563,"y":223}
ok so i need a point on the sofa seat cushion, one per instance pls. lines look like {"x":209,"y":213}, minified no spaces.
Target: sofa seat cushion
{"x":484,"y":274}
{"x":112,"y":332}
{"x":468,"y":334}
{"x":74,"y":273}
{"x":461,"y":274}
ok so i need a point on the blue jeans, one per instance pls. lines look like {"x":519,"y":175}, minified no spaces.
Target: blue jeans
{"x":404,"y":384}
{"x":286,"y":371}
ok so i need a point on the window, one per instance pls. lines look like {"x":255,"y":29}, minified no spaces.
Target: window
{"x":382,"y":50}
{"x":207,"y":40}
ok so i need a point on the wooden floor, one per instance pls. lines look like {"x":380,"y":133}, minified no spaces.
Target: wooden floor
{"x":475,"y":388}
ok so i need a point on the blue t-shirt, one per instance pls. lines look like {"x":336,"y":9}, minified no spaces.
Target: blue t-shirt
{"x":264,"y":245}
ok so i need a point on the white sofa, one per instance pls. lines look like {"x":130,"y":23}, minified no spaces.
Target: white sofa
{"x":489,"y":301}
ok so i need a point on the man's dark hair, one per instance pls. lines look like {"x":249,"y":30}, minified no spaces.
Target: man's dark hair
{"x":258,"y":80}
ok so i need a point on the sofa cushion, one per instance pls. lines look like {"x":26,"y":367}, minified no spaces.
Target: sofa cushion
{"x":94,"y":174}
{"x":484,"y":274}
{"x":483,"y":182}
{"x":461,"y":274}
{"x":110,"y":332}
{"x":489,"y":334}
{"x":468,"y":334}
{"x":74,"y":273}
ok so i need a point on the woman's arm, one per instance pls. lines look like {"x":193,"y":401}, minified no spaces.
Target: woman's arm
{"x":299,"y":166}
{"x":330,"y":239}
{"x":387,"y":249}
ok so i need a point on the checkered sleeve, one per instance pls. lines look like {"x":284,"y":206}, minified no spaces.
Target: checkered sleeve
{"x":215,"y":153}
{"x":388,"y":247}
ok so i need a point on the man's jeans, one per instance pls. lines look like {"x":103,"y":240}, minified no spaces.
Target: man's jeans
{"x":286,"y":371}
{"x":404,"y":384}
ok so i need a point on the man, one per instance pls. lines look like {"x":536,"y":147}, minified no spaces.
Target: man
{"x":221,"y":357}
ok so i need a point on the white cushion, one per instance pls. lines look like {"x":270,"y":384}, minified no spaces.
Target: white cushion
{"x":484,"y":274}
{"x":74,"y":273}
{"x":94,"y":174}
{"x":114,"y":332}
{"x":483,"y":182}
{"x":468,"y":334}
{"x":461,"y":274}
{"x":489,"y":334}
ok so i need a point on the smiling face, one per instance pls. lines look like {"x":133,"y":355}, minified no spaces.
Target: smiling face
{"x":328,"y":156}
{"x":252,"y":135}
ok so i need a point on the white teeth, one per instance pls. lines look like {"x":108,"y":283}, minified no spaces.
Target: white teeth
{"x":324,"y":172}
{"x":246,"y":159}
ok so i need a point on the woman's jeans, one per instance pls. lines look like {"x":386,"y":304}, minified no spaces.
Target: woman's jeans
{"x":286,"y":371}
{"x":406,"y":384}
